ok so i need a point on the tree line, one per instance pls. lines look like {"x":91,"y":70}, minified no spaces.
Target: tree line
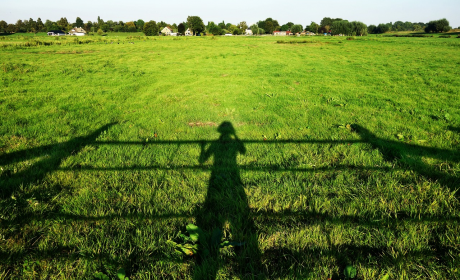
{"x":333,"y":26}
{"x":436,"y":26}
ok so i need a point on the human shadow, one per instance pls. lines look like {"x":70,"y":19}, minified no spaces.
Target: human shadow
{"x":226,"y":206}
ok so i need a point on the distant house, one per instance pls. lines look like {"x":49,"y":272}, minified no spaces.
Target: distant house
{"x":281,"y":33}
{"x":248,"y":31}
{"x":167,"y":31}
{"x":77,"y":31}
{"x":188,"y":32}
{"x":56,"y":33}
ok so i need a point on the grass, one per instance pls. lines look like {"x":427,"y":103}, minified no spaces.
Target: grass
{"x":333,"y":152}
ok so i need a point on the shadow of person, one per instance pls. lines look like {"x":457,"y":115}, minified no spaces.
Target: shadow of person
{"x":226,"y":206}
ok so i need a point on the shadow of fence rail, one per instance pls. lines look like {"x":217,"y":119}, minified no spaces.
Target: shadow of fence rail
{"x":53,"y":156}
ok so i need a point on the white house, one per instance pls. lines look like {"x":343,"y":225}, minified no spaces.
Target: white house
{"x":188,"y":32}
{"x":167,"y":31}
{"x":77,"y":31}
{"x":281,"y":33}
{"x":248,"y":31}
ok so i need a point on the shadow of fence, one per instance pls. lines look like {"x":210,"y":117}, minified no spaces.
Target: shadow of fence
{"x":409,"y":155}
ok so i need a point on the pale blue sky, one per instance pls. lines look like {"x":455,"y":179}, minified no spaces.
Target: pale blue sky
{"x":297,"y":11}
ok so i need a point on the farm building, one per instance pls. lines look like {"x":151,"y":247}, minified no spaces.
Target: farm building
{"x":56,"y":33}
{"x":188,"y":32}
{"x":281,"y":33}
{"x":248,"y":31}
{"x":77,"y":31}
{"x":166,"y":31}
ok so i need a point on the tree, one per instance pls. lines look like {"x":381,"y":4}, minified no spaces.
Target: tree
{"x":261,"y":24}
{"x":417,"y":27}
{"x":20,"y":26}
{"x":151,"y":28}
{"x":284,"y":27}
{"x":181,"y":28}
{"x":243,"y":26}
{"x":3,"y":26}
{"x":342,"y":27}
{"x":442,"y":25}
{"x":63,"y":23}
{"x":314,"y":27}
{"x":139,"y":25}
{"x":261,"y":31}
{"x":269,"y":27}
{"x":296,"y":28}
{"x":359,"y":28}
{"x":11,"y":28}
{"x":100,"y":32}
{"x":214,"y":29}
{"x":398,"y":26}
{"x":255,"y":29}
{"x":232,"y":27}
{"x":99,"y":21}
{"x":382,"y":28}
{"x":79,"y":22}
{"x":161,"y":25}
{"x":40,"y":25}
{"x":195,"y":23}
{"x":131,"y":27}
{"x":88,"y":26}
{"x":32,"y":26}
{"x":327,"y":21}
{"x":408,"y":26}
{"x":372,"y":29}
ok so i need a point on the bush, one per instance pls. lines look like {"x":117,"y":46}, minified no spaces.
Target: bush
{"x":444,"y":36}
{"x":350,"y":38}
{"x":100,"y":32}
{"x":151,"y":28}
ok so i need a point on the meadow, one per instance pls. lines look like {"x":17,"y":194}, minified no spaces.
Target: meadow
{"x":229,"y":157}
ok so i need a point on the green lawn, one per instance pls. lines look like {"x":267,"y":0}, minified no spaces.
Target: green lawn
{"x":300,"y":155}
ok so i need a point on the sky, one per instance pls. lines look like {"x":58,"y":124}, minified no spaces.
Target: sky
{"x":296,"y":11}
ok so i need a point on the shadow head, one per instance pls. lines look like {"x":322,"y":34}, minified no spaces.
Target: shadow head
{"x":226,"y":128}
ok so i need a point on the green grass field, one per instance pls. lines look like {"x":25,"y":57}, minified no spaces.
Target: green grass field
{"x":295,"y":157}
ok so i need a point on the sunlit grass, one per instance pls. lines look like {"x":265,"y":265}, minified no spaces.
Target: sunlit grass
{"x":351,"y":155}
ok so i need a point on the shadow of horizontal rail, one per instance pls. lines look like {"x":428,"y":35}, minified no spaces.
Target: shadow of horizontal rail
{"x":18,"y":156}
{"x":273,"y":168}
{"x":306,"y":217}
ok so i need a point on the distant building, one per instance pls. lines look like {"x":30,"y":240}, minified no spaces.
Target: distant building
{"x":188,"y":32}
{"x":77,"y":31}
{"x":56,"y":33}
{"x":281,"y":33}
{"x":167,"y":31}
{"x":248,"y":31}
